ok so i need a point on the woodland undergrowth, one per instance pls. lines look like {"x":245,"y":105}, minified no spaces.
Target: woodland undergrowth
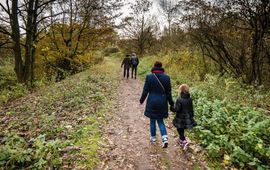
{"x":233,"y":118}
{"x":58,"y":126}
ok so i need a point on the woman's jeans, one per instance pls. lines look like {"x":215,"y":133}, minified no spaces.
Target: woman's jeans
{"x":161,"y":126}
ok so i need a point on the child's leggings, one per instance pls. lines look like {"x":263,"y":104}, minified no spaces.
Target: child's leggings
{"x":181,"y":133}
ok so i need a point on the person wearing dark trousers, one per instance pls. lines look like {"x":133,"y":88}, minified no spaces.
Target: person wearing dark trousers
{"x":126,"y":63}
{"x":184,"y":118}
{"x":134,"y":64}
{"x":181,"y":132}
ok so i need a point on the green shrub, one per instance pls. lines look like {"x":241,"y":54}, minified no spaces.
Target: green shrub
{"x":7,"y":74}
{"x":56,"y":65}
{"x":12,"y":92}
{"x":232,"y":122}
{"x":232,"y":90}
{"x":110,"y":50}
{"x":39,"y":153}
{"x":9,"y":88}
{"x":226,"y":128}
{"x":183,"y":68}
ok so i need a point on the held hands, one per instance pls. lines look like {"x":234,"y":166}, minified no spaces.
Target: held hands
{"x":172,"y":109}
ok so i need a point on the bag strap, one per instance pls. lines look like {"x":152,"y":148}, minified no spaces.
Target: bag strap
{"x":159,"y":82}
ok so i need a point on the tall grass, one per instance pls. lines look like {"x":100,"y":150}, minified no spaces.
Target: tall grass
{"x":189,"y":68}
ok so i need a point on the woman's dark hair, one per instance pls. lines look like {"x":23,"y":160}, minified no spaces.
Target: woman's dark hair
{"x":158,"y":64}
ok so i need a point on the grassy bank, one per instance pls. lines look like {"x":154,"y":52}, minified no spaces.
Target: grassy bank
{"x":45,"y":73}
{"x":59,"y":126}
{"x":233,"y":118}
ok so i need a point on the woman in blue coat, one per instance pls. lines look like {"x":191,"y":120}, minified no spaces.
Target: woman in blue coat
{"x":158,"y":88}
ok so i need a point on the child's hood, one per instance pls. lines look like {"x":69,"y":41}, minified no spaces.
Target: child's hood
{"x":185,"y":95}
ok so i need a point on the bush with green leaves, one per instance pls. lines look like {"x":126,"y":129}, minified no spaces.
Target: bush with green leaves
{"x":7,"y":74}
{"x":110,"y":50}
{"x":233,"y":118}
{"x":186,"y":67}
{"x":231,"y":90}
{"x":38,"y":153}
{"x":238,"y":135}
{"x":9,"y":88}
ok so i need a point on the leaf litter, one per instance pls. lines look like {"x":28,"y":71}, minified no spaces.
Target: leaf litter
{"x":128,"y":140}
{"x":67,"y":119}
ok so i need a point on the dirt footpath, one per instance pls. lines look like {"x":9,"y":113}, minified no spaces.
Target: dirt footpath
{"x":128,"y":137}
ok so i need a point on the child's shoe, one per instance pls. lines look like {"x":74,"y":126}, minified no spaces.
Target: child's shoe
{"x":180,"y":142}
{"x":153,"y":140}
{"x":185,"y":144}
{"x":164,"y":141}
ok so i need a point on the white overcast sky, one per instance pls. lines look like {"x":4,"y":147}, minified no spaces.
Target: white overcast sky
{"x":126,"y":10}
{"x":154,"y":11}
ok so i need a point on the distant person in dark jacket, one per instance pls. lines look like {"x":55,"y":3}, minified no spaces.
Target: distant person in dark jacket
{"x":158,"y":88}
{"x":134,"y":64}
{"x":184,"y":118}
{"x":126,"y":63}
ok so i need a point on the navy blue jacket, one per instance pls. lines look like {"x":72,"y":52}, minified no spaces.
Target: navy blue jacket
{"x":158,"y":99}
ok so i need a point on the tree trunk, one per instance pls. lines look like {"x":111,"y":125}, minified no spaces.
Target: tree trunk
{"x":34,"y":38}
{"x":19,"y":68}
{"x":169,"y":25}
{"x":29,"y":40}
{"x":254,"y":54}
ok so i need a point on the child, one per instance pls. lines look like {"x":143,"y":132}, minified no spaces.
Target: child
{"x":184,"y":114}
